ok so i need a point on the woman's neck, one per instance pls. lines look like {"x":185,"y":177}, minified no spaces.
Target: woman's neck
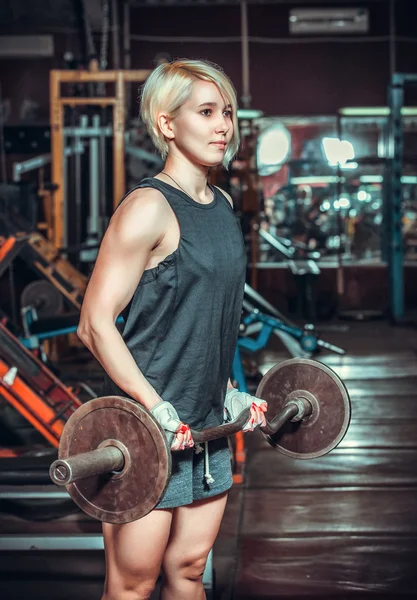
{"x":192,"y":178}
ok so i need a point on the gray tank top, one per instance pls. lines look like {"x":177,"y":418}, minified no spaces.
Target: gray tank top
{"x":182,"y":323}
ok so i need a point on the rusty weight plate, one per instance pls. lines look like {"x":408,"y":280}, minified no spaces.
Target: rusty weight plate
{"x":319,"y":433}
{"x":134,"y":492}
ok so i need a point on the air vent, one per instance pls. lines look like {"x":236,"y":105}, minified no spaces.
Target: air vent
{"x":311,"y":21}
{"x":26,"y":46}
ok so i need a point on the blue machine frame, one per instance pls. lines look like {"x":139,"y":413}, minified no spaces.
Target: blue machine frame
{"x":394,"y":247}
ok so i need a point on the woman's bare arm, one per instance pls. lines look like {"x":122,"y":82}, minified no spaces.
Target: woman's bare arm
{"x":136,"y":228}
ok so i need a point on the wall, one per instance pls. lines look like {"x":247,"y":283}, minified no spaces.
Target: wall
{"x":287,"y":78}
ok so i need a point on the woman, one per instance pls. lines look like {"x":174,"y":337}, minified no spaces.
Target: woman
{"x":173,"y":262}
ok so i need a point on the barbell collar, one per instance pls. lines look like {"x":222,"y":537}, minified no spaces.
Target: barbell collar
{"x":88,"y":464}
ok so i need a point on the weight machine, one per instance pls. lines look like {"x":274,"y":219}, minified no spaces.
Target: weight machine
{"x":94,"y":130}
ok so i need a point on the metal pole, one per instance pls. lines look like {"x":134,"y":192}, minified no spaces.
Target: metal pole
{"x":78,"y":191}
{"x":115,"y":34}
{"x":126,"y":52}
{"x":93,"y":221}
{"x":392,"y":34}
{"x":246,"y":97}
{"x":102,"y":221}
{"x":396,"y":250}
{"x":57,"y":152}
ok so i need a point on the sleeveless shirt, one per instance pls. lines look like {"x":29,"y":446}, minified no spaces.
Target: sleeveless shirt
{"x":182,"y":323}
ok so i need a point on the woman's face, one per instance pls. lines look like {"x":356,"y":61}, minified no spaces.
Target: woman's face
{"x":203,"y":126}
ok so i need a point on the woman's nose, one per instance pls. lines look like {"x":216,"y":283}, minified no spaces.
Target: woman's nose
{"x":222,"y":126}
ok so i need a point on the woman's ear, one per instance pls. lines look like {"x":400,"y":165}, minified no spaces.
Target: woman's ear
{"x":164,"y":124}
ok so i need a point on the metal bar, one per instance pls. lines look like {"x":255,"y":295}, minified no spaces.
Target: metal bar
{"x":118,"y":142}
{"x":88,"y":464}
{"x":102,"y":174}
{"x":77,"y":192}
{"x":115,"y":33}
{"x":392,"y":40}
{"x":57,"y":153}
{"x":19,"y":542}
{"x":88,"y":131}
{"x":260,"y":300}
{"x":87,"y":101}
{"x":100,"y":76}
{"x":39,"y":492}
{"x":40,"y":161}
{"x":287,"y":413}
{"x":126,"y":51}
{"x":246,"y":97}
{"x":143,"y":154}
{"x":93,"y":219}
{"x":396,"y":250}
{"x":275,"y":243}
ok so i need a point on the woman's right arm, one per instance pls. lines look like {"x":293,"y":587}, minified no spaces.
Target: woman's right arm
{"x":136,"y":228}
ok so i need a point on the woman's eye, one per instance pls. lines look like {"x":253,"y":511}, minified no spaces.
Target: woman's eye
{"x":228,"y":113}
{"x":206,"y":112}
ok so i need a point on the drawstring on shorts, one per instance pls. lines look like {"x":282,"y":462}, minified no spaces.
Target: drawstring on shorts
{"x":207,"y":475}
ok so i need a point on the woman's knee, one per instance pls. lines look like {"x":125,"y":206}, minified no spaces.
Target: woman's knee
{"x":133,"y":590}
{"x":185,"y":566}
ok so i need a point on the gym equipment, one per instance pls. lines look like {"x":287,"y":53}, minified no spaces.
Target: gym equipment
{"x":305,"y":338}
{"x":318,"y":432}
{"x":61,"y":138}
{"x":45,"y":260}
{"x":303,"y":266}
{"x":43,"y":297}
{"x":115,"y":459}
{"x":33,"y":390}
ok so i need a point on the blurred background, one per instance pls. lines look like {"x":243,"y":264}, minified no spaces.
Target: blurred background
{"x":325,"y":187}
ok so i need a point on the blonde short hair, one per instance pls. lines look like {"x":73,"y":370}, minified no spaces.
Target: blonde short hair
{"x":169,"y":86}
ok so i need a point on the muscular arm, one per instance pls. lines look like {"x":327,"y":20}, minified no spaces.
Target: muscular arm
{"x":135,"y":229}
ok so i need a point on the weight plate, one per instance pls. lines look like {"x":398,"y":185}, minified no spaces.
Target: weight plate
{"x":44,"y":297}
{"x":125,"y":497}
{"x":319,"y":433}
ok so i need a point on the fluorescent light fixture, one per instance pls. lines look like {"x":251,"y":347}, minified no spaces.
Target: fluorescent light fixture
{"x":273,"y":148}
{"x":337,"y":151}
{"x":350,"y":165}
{"x":371,"y":179}
{"x":375,"y":111}
{"x":407,"y":179}
{"x":249,"y":113}
{"x":311,"y":179}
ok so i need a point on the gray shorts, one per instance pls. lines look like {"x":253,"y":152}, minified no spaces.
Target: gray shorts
{"x":188,"y":482}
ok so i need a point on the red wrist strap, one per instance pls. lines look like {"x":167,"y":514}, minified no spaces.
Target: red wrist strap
{"x":183,"y":428}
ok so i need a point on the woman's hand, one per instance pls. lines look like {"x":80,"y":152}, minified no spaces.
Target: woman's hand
{"x":235,"y":402}
{"x":166,"y":415}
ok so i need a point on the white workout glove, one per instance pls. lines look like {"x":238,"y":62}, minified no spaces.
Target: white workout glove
{"x":166,"y":415}
{"x":235,"y":402}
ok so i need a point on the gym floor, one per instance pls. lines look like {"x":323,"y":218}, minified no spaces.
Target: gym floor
{"x":341,"y":526}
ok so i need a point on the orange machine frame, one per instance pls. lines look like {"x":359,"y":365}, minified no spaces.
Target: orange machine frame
{"x":58,"y":102}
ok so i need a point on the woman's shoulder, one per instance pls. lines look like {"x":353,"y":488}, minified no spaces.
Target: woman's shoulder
{"x":142,"y":201}
{"x":225,"y":194}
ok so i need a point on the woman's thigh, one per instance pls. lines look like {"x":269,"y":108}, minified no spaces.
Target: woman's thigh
{"x":193,"y":532}
{"x":134,"y":551}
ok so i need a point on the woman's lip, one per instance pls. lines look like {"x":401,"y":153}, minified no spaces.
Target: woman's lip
{"x":222,"y":144}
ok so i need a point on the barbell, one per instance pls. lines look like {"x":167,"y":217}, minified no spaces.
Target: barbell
{"x":115,"y":460}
